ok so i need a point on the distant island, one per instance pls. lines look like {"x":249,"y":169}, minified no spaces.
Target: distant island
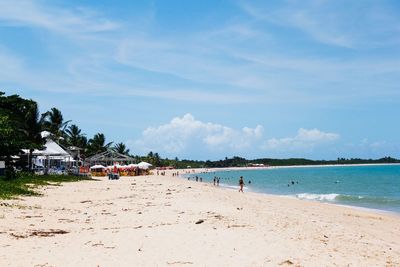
{"x":242,"y":162}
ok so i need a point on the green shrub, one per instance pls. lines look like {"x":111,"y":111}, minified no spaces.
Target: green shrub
{"x":24,"y":183}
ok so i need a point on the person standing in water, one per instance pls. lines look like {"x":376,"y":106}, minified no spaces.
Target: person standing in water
{"x":241,"y":183}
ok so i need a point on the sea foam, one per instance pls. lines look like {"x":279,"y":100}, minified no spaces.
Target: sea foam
{"x":320,"y":197}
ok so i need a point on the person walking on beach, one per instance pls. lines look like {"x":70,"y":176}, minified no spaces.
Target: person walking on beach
{"x":218,"y":181}
{"x":241,"y":183}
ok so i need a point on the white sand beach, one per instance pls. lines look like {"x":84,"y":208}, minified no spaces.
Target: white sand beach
{"x":169,"y":221}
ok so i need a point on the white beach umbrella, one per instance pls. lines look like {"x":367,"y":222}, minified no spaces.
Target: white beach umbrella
{"x":116,"y":165}
{"x":132,"y":165}
{"x":144,"y":165}
{"x":97,"y":167}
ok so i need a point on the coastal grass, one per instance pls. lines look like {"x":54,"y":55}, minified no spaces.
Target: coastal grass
{"x":24,"y":184}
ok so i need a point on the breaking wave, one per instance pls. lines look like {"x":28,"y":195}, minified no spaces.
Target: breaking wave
{"x":320,"y":197}
{"x":333,"y":197}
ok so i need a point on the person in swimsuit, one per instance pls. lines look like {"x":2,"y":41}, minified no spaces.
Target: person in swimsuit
{"x":241,"y":183}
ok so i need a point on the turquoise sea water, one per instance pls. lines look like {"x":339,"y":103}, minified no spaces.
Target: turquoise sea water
{"x":375,"y":187}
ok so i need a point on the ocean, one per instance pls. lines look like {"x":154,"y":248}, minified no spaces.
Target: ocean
{"x":370,"y":186}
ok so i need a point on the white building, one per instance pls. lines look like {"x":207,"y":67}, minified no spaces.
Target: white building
{"x":52,"y":156}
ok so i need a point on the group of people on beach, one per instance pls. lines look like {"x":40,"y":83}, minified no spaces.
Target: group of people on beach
{"x":217,"y":179}
{"x":197,"y":178}
{"x":241,"y":182}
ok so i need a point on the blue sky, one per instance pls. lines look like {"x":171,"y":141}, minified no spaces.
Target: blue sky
{"x":208,"y":79}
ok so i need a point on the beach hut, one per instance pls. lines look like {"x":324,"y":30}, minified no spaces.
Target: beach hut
{"x":109,"y":157}
{"x":52,"y":156}
{"x":98,"y":170}
{"x":97,"y":167}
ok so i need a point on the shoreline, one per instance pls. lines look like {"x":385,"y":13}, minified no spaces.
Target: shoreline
{"x":372,"y":210}
{"x":360,"y":208}
{"x":227,"y":186}
{"x":169,"y":221}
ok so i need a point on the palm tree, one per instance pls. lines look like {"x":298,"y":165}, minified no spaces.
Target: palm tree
{"x":98,"y":144}
{"x":157,"y":159}
{"x":121,"y":148}
{"x":74,"y":136}
{"x":33,"y":129}
{"x":53,"y":121}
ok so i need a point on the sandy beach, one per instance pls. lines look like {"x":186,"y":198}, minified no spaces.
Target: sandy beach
{"x":169,"y":221}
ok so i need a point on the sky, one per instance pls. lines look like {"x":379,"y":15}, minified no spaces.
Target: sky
{"x":318,"y":79}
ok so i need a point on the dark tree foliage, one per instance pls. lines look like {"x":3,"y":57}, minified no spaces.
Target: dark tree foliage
{"x":53,"y":121}
{"x":20,"y":126}
{"x":75,"y":137}
{"x":98,"y":144}
{"x":121,"y":148}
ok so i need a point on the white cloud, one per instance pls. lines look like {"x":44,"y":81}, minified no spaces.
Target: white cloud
{"x":229,"y":62}
{"x":196,"y":60}
{"x":304,"y":141}
{"x":217,"y":64}
{"x":305,"y":17}
{"x":336,"y":22}
{"x":59,"y":20}
{"x":315,"y":135}
{"x":372,"y":149}
{"x":186,"y":134}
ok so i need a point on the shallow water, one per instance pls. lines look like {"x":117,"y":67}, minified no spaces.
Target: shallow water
{"x":376,"y":187}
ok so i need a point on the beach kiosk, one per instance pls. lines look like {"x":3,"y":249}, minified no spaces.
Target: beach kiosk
{"x":52,"y":158}
{"x":98,"y":170}
{"x":116,"y":162}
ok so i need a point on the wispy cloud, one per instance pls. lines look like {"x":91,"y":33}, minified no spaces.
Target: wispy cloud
{"x":197,"y":62}
{"x":218,"y":64}
{"x":34,"y":14}
{"x":373,"y":148}
{"x":267,"y":56}
{"x":336,"y":23}
{"x":304,"y":18}
{"x":11,"y":64}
